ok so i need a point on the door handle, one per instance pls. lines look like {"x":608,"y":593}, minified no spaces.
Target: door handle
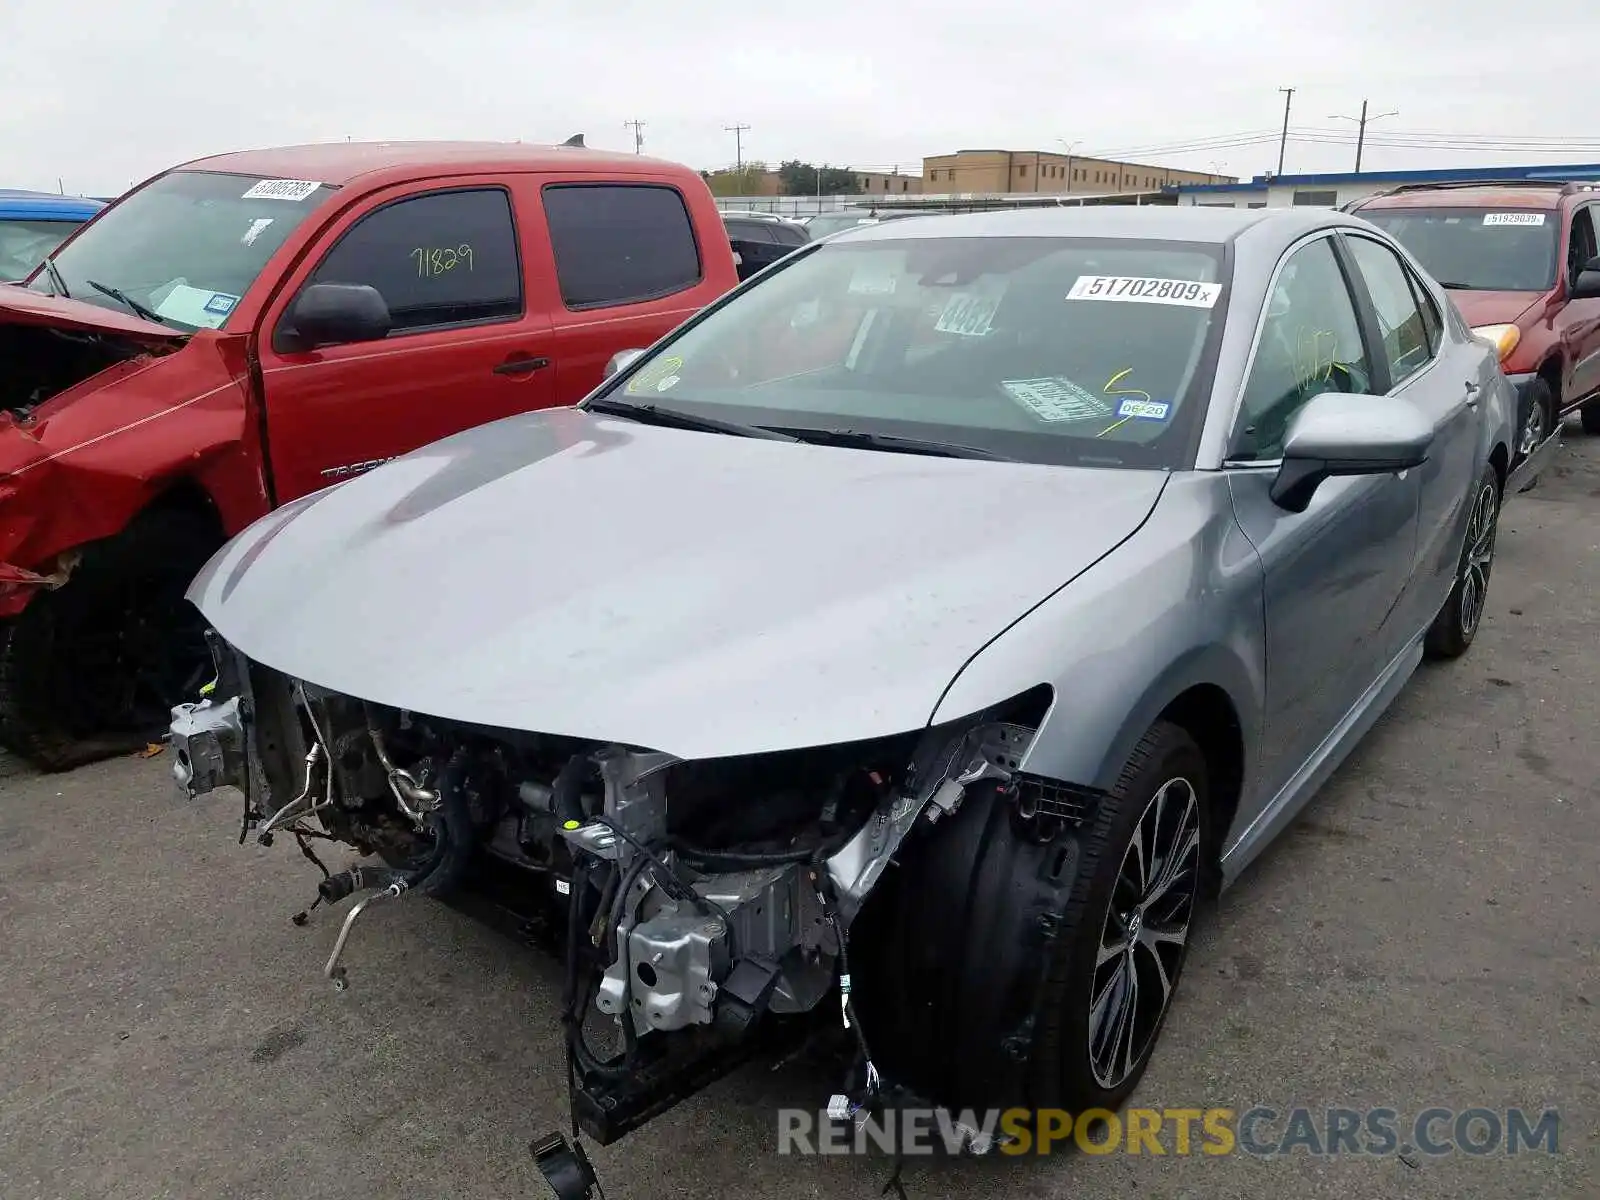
{"x":521,"y":366}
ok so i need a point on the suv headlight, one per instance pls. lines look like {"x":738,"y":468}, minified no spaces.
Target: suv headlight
{"x":1503,"y":338}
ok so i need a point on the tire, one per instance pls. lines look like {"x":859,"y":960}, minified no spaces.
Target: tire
{"x":1457,"y":623}
{"x":974,"y":971}
{"x":93,"y":668}
{"x":1537,"y":420}
{"x":1590,"y":415}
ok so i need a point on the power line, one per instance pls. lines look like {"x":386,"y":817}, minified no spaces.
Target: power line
{"x":638,"y":134}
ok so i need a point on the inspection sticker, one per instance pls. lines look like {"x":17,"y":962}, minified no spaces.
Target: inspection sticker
{"x":970,"y":314}
{"x":1522,"y":218}
{"x":282,"y":189}
{"x":1141,"y":290}
{"x":221,"y":303}
{"x":1144,"y":410}
{"x":1056,"y":399}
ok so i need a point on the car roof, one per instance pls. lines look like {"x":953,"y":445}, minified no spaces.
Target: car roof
{"x":339,"y":163}
{"x":1188,"y":223}
{"x":16,"y":203}
{"x":1487,"y":195}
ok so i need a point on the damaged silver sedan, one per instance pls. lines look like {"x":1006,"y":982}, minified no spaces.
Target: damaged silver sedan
{"x":911,"y":641}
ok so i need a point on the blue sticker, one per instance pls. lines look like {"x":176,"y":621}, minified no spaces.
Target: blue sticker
{"x":221,"y":303}
{"x":1144,"y":410}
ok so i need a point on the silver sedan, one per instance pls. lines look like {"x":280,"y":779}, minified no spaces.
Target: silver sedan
{"x":910,"y":641}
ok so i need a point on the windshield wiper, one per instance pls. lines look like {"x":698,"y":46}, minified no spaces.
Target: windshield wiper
{"x":1459,"y":287}
{"x":123,"y":298}
{"x":675,"y":418}
{"x":893,"y":442}
{"x":56,"y":282}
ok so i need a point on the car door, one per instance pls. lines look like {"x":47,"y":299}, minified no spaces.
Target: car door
{"x":465,"y":346}
{"x":1441,"y":382}
{"x":1333,"y":575}
{"x":628,"y":269}
{"x":1578,"y":321}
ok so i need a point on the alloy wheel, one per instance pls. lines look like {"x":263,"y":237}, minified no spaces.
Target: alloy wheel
{"x":1479,"y":558}
{"x":1145,"y":932}
{"x":1533,"y":431}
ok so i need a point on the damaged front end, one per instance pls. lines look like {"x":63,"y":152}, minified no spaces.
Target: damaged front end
{"x":705,"y":909}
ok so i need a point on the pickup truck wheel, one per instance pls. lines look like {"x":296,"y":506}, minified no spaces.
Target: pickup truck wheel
{"x":93,"y":668}
{"x":1590,"y":413}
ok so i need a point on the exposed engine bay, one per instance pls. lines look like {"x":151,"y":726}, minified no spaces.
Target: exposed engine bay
{"x":698,"y":905}
{"x":41,"y":362}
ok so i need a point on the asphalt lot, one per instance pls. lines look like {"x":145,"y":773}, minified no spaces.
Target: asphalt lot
{"x":1424,"y":935}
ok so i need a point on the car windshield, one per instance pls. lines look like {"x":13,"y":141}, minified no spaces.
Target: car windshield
{"x":1081,"y":351}
{"x":1477,"y":249}
{"x":24,"y":243}
{"x":183,"y":249}
{"x":821,"y":225}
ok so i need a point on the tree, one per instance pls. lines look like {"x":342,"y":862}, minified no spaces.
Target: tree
{"x":803,"y":179}
{"x":742,"y":181}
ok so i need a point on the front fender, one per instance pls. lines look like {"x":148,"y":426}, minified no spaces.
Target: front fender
{"x":1176,"y":606}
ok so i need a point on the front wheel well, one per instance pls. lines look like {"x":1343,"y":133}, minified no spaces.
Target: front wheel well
{"x":187,"y":496}
{"x":1550,"y":371}
{"x":1207,"y":713}
{"x":1498,"y":459}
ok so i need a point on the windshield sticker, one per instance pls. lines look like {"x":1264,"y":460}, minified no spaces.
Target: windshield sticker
{"x":193,"y":306}
{"x":970,"y":314}
{"x":1140,"y":290}
{"x":667,"y":384}
{"x":873,"y":280}
{"x":1056,"y":399}
{"x":257,"y":227}
{"x":282,"y":189}
{"x":221,"y":304}
{"x":1144,"y":410}
{"x":654,"y":375}
{"x":1521,"y":218}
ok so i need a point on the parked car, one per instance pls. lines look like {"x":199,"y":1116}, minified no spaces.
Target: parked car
{"x":759,"y":240}
{"x":244,"y":330}
{"x":34,"y":223}
{"x":1520,"y":261}
{"x":821,"y":225}
{"x":938,"y":682}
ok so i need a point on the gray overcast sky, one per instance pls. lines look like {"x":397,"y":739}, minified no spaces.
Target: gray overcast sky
{"x":106,"y":92}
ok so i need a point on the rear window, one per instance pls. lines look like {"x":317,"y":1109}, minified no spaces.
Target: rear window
{"x":1478,"y":249}
{"x":620,"y":243}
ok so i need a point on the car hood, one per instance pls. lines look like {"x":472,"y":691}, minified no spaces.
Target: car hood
{"x":694,"y":593}
{"x":23,"y":306}
{"x":1494,"y":308}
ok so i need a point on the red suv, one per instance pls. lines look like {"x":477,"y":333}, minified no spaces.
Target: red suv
{"x":1520,"y":261}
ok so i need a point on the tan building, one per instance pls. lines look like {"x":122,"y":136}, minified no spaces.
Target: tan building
{"x":887,"y":183}
{"x":1012,"y":171}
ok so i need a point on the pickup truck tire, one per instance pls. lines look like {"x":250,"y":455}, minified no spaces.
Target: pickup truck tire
{"x":92,"y":669}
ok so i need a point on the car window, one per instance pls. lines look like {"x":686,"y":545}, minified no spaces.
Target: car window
{"x":1476,"y":249}
{"x":1405,"y":334}
{"x":1581,"y":243}
{"x":1310,"y":343}
{"x":787,"y":235}
{"x":1061,"y":350}
{"x":750,"y":231}
{"x":446,"y":258}
{"x":24,"y":243}
{"x":620,"y":243}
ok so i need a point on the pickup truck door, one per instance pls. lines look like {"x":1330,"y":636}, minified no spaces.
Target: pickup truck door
{"x":470,"y":341}
{"x":1578,"y":323}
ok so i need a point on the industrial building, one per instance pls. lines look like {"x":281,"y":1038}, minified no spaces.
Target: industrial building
{"x":1340,"y":188}
{"x":1007,"y":172}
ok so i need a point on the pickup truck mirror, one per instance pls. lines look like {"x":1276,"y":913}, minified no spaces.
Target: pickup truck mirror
{"x":621,"y":361}
{"x":1340,"y":433}
{"x":331,"y":314}
{"x":1587,"y":284}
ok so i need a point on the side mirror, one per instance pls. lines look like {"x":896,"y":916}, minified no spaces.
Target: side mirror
{"x":621,"y":361}
{"x":332,"y":314}
{"x":1338,"y":433}
{"x":1587,"y":285}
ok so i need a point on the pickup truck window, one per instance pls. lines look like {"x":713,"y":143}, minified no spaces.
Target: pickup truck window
{"x":445,"y":258}
{"x":620,"y":243}
{"x":185,"y":247}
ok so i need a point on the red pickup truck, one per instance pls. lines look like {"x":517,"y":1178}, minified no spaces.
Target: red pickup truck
{"x":245,"y":329}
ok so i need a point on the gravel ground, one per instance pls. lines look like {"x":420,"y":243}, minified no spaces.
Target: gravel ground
{"x":1424,"y":935}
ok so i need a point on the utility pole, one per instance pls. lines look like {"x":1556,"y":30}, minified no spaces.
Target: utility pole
{"x":738,"y":145}
{"x":1361,"y":135}
{"x":638,"y":134}
{"x":1283,"y":142}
